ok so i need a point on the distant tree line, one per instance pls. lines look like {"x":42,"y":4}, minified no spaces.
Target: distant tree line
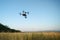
{"x":4,"y":28}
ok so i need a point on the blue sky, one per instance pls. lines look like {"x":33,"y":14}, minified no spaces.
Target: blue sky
{"x":43,"y":14}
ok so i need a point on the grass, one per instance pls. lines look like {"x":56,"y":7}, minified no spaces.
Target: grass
{"x":30,"y":36}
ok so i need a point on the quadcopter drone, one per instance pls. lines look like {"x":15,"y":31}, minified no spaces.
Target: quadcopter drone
{"x":24,"y":14}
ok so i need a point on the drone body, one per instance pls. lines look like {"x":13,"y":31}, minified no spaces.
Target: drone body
{"x":24,"y":14}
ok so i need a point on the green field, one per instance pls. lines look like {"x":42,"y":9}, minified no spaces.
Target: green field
{"x":30,"y":36}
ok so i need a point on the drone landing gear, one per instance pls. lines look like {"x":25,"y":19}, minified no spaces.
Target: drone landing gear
{"x":25,"y":17}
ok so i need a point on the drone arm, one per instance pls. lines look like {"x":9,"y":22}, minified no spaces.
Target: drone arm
{"x":20,"y":13}
{"x":27,"y":12}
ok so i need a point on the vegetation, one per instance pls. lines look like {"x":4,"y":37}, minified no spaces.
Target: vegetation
{"x":4,"y":28}
{"x":7,"y":33}
{"x":30,"y":36}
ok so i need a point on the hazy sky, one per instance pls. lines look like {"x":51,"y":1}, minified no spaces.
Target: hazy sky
{"x":43,"y":14}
